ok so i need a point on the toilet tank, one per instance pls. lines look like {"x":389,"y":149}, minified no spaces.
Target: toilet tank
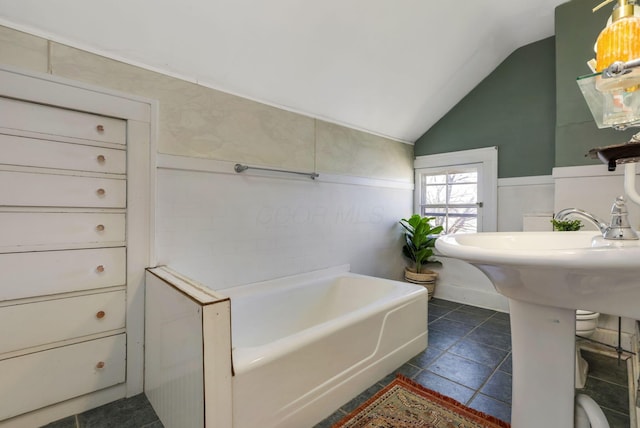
{"x":537,"y":222}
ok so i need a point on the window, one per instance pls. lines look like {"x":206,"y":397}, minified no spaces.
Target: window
{"x":459,"y":189}
{"x":451,"y":196}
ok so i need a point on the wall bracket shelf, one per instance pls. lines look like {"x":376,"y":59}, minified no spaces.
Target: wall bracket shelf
{"x":617,"y":154}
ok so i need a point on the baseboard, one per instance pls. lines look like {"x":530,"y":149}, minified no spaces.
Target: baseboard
{"x":468,"y":296}
{"x":70,"y":407}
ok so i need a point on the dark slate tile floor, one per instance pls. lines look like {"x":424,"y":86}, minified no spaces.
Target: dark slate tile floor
{"x":608,"y":385}
{"x":468,"y":358}
{"x":133,"y":412}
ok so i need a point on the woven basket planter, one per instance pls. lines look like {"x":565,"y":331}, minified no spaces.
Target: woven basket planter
{"x":426,"y":278}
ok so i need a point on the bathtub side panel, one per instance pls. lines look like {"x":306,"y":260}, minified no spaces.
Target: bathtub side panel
{"x":404,"y":324}
{"x":263,"y":393}
{"x":309,"y":383}
{"x":403,"y":335}
{"x":216,"y":328}
{"x":173,"y":355}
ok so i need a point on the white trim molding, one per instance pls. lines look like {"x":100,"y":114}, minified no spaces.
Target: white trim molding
{"x":187,"y":163}
{"x":585,"y":171}
{"x":486,"y":154}
{"x":533,"y":180}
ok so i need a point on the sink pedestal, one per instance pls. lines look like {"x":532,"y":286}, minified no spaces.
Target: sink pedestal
{"x":543,"y":347}
{"x":542,"y":274}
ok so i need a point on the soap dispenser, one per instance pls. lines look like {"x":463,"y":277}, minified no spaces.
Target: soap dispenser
{"x":620,"y":40}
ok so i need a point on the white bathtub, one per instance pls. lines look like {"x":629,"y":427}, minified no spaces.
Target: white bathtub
{"x":304,"y":345}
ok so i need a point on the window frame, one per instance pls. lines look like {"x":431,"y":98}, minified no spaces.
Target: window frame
{"x":487,"y":164}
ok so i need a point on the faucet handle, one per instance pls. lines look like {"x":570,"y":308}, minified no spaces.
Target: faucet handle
{"x":619,"y":207}
{"x":619,"y":227}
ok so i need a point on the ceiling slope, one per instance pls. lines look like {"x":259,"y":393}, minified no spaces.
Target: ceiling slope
{"x":392,"y":68}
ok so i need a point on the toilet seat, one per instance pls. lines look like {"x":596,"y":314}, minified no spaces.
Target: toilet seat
{"x":586,"y":314}
{"x":586,"y":322}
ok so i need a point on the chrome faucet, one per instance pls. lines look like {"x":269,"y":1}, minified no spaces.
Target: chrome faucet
{"x":619,"y":227}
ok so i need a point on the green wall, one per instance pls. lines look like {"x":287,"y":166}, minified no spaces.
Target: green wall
{"x":513,"y":108}
{"x":577,"y":29}
{"x":530,"y":105}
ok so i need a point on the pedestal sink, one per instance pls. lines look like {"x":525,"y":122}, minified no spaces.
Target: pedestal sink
{"x":547,"y":276}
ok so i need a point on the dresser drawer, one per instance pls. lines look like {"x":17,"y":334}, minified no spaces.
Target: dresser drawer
{"x":24,"y":151}
{"x":47,"y":190}
{"x":28,"y":229}
{"x":43,"y":378}
{"x":57,"y":121}
{"x":51,"y":272}
{"x":32,"y":324}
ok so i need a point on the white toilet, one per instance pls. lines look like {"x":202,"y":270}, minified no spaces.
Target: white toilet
{"x":588,"y":414}
{"x":586,"y":324}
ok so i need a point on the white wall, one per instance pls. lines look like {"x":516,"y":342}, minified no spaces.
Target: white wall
{"x":462,"y":282}
{"x":226,"y":229}
{"x":522,"y":196}
{"x":592,"y":188}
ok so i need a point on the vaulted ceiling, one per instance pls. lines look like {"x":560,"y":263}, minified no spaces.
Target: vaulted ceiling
{"x":390,"y":67}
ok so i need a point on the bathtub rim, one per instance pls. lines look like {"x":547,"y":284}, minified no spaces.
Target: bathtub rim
{"x":301,"y":280}
{"x":287,"y":281}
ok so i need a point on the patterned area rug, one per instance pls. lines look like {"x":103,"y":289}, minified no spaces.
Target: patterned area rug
{"x":404,"y":404}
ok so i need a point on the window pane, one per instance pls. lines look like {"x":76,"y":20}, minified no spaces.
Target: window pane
{"x":462,"y":220}
{"x":435,"y":194}
{"x":463,"y":177}
{"x":463,"y":193}
{"x":435,"y":179}
{"x":428,"y":211}
{"x":439,"y":220}
{"x":462,"y":224}
{"x":463,"y":211}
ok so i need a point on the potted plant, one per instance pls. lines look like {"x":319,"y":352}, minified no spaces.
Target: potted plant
{"x":420,"y":240}
{"x":566,"y":225}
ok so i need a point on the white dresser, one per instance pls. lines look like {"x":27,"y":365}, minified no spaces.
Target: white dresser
{"x":63,"y":254}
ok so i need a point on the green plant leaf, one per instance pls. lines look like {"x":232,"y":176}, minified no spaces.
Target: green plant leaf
{"x":419,"y":239}
{"x":566,"y":225}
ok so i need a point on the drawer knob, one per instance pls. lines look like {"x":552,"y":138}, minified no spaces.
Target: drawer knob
{"x":100,"y":128}
{"x":101,"y":159}
{"x":100,"y":365}
{"x":101,"y":192}
{"x":100,"y":227}
{"x":100,"y":269}
{"x":100,"y":315}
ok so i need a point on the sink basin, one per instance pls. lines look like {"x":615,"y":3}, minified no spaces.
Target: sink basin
{"x":547,"y":276}
{"x":574,"y":270}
